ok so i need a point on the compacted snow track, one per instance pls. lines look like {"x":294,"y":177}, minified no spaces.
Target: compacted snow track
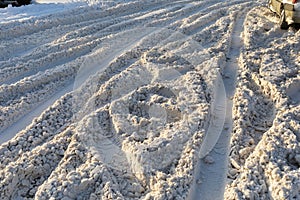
{"x":150,"y":106}
{"x":211,"y":176}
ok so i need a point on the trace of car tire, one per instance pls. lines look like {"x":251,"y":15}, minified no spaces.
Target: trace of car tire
{"x":137,"y":121}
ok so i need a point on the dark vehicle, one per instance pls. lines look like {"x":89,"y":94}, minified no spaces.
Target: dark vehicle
{"x":5,"y":3}
{"x":288,"y":11}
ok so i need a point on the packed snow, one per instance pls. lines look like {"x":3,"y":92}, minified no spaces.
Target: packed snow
{"x":139,"y":99}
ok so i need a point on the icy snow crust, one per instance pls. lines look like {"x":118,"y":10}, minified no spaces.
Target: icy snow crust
{"x":124,"y":99}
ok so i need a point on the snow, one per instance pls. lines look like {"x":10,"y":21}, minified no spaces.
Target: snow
{"x":38,"y":9}
{"x":148,"y":100}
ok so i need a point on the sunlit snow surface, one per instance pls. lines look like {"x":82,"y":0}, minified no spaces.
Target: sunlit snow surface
{"x":36,"y":9}
{"x":40,"y":8}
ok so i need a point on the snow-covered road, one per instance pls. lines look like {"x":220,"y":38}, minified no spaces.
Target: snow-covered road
{"x":125,"y":100}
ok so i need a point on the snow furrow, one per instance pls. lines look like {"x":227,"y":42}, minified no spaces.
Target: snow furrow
{"x":155,"y":99}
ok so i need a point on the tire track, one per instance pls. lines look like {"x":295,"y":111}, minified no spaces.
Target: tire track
{"x":267,"y":68}
{"x":77,"y":169}
{"x":70,"y":43}
{"x":14,"y":100}
{"x":79,"y":47}
{"x":211,"y":172}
